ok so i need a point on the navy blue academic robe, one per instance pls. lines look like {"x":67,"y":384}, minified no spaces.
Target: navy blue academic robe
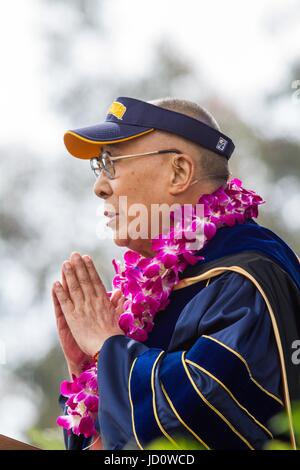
{"x":211,"y":369}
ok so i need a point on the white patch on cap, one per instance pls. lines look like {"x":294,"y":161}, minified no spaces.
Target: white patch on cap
{"x":221,"y":145}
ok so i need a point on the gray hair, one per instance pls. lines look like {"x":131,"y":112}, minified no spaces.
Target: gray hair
{"x":210,"y":163}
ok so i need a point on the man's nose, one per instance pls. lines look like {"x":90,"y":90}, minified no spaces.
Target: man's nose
{"x":102,"y":188}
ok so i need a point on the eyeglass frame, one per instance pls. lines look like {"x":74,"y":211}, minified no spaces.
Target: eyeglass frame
{"x":123,"y":157}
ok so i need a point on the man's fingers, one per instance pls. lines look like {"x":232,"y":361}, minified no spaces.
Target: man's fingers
{"x":82,"y":275}
{"x":60,"y":318}
{"x":64,"y":282}
{"x":57,"y":309}
{"x":65,"y":302}
{"x":74,"y":287}
{"x":95,"y":278}
{"x":120,"y":305}
{"x":115,"y":297}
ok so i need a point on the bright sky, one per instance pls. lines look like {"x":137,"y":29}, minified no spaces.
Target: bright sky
{"x":243,"y":48}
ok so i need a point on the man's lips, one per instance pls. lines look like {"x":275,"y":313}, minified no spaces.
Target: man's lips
{"x":110,"y":214}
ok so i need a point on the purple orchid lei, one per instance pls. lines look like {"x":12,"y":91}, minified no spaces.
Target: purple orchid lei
{"x":82,"y":403}
{"x":147,"y":284}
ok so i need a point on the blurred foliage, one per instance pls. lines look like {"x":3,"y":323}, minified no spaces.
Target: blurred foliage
{"x":280,"y":426}
{"x":38,"y":240}
{"x":182,"y":444}
{"x":46,"y":439}
{"x":44,"y":377}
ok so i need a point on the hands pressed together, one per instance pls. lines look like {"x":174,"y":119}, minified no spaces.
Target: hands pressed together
{"x":85,"y":315}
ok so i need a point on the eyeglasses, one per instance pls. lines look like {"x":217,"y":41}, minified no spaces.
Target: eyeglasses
{"x":105,"y":162}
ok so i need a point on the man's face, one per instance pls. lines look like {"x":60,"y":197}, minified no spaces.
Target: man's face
{"x":143,"y":180}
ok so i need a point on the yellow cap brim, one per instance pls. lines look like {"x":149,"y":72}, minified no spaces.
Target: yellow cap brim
{"x":81,"y":147}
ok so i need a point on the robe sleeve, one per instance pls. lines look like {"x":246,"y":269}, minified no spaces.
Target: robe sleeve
{"x":219,"y":386}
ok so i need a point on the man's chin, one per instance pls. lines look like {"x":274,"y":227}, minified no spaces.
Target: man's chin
{"x":138,"y":245}
{"x":121,"y":239}
{"x":122,"y":242}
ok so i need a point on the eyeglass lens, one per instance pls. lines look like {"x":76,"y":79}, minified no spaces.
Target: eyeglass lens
{"x":103,"y":162}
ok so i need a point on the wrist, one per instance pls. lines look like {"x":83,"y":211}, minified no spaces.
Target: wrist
{"x":73,"y":370}
{"x":76,"y":368}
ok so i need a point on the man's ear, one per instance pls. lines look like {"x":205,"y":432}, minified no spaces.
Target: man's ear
{"x":182,"y":173}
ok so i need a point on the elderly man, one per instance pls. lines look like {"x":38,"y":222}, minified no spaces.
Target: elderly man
{"x":215,"y":364}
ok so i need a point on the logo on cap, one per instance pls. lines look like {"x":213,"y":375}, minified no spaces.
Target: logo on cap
{"x":117,"y":109}
{"x":221,"y":144}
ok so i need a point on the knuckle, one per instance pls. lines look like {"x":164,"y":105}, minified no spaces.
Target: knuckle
{"x":74,"y":288}
{"x":64,"y":299}
{"x":85,"y":281}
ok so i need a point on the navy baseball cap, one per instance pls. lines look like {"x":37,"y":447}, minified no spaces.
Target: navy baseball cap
{"x":129,"y":118}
